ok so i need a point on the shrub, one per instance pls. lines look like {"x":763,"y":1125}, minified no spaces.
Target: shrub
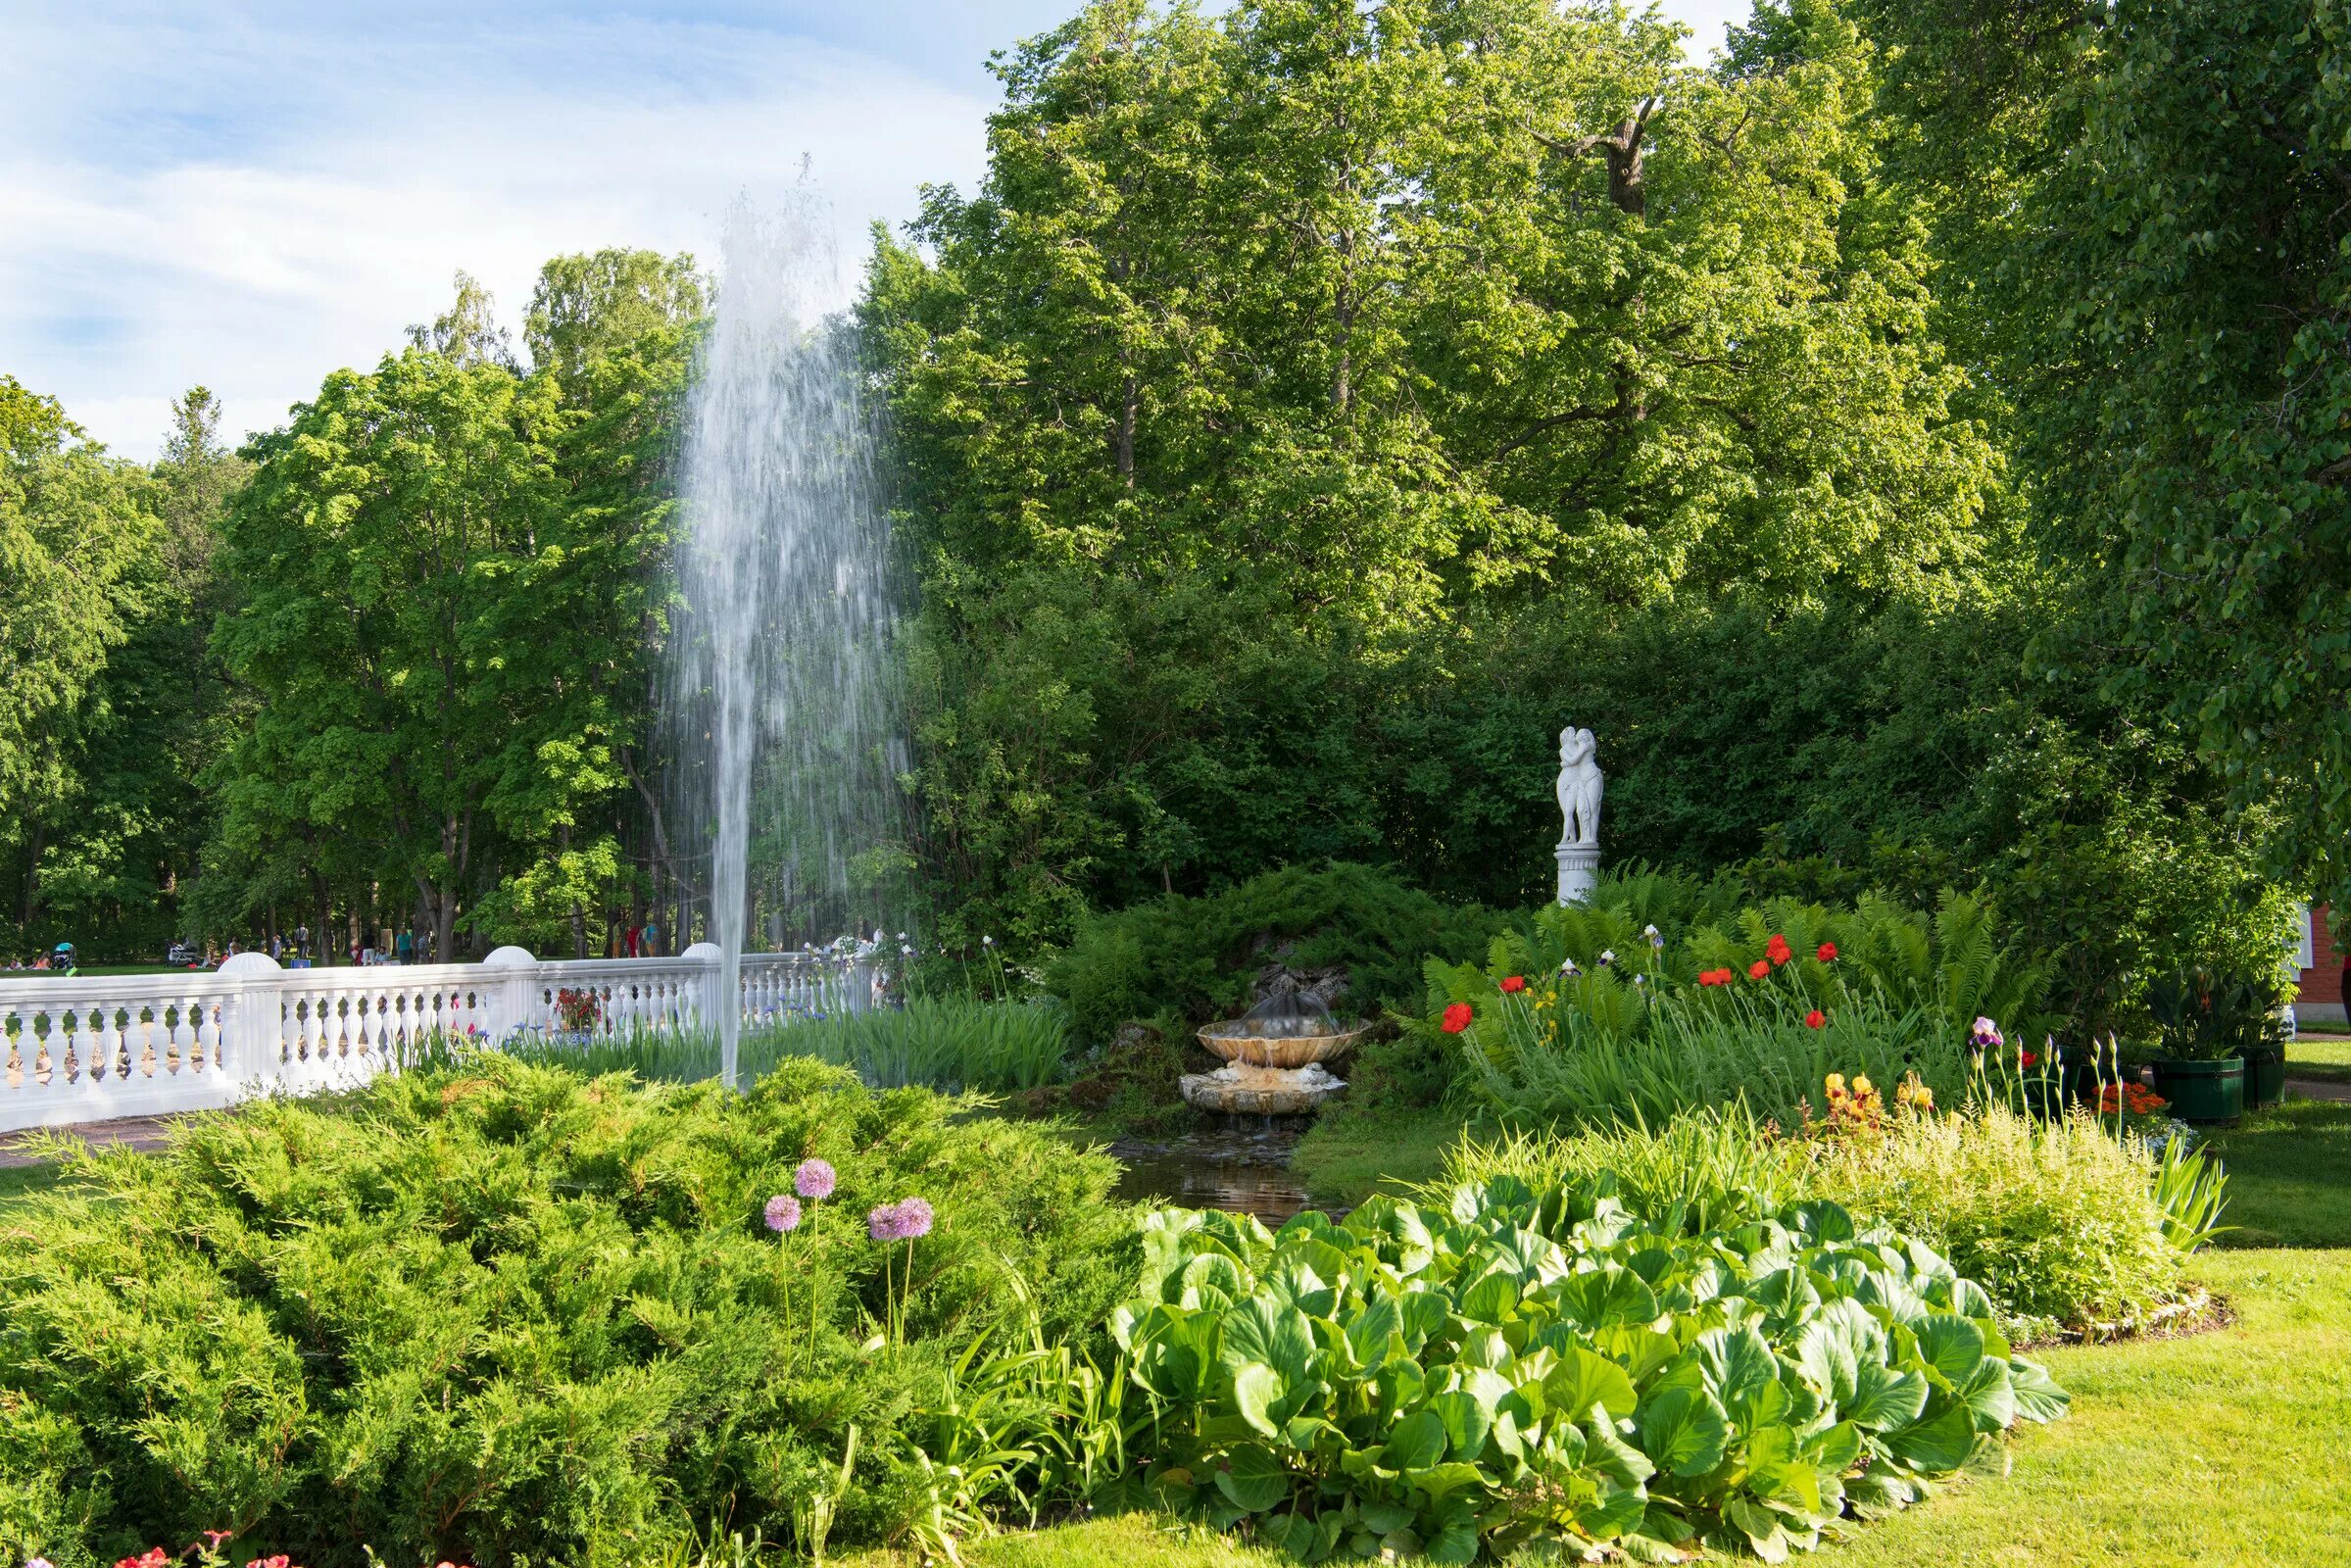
{"x":2056,"y":1218}
{"x":503,"y":1312}
{"x":950,"y":1044}
{"x":1194,"y":957}
{"x":1547,"y":1362}
{"x":2062,"y":1222}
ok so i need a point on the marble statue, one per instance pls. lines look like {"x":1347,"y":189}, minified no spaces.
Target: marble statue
{"x":1580,"y":788}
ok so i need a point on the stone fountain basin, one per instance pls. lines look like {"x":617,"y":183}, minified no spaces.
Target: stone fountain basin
{"x":1229,"y":1040}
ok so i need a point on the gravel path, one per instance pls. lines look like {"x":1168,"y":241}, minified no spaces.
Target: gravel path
{"x":143,"y":1133}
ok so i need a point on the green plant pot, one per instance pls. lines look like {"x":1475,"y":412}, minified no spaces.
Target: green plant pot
{"x":2265,"y":1081}
{"x":2203,"y":1092}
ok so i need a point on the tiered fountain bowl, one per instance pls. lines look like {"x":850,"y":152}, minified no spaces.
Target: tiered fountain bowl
{"x":1273,"y":1058}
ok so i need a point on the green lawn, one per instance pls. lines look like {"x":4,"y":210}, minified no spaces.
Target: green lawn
{"x":2289,"y":1175}
{"x":2328,"y":1060}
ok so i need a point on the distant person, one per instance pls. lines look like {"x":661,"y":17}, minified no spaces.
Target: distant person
{"x":635,"y":938}
{"x":405,"y":944}
{"x":651,"y":940}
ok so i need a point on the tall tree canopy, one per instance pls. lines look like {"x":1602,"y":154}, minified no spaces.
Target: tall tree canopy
{"x":1274,"y":343}
{"x":2144,"y":209}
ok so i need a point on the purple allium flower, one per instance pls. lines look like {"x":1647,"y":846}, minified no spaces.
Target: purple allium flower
{"x":783,"y":1212}
{"x":913,"y":1218}
{"x":813,"y":1180}
{"x":882,"y":1223}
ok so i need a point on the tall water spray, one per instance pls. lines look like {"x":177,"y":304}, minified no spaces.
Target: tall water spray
{"x":786,"y":756}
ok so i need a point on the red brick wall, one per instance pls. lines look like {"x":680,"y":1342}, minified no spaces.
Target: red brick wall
{"x":2323,"y":980}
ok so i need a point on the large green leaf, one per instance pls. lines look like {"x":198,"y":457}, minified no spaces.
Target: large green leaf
{"x":1583,"y":1379}
{"x":1884,"y":1399}
{"x":1256,"y":1393}
{"x":1253,"y":1479}
{"x":1606,"y":1295}
{"x":1684,"y":1430}
{"x":1937,"y":1446}
{"x":1743,"y":1375}
{"x":1264,"y":1330}
{"x":1417,"y":1442}
{"x":2037,"y":1395}
{"x":1953,"y":1346}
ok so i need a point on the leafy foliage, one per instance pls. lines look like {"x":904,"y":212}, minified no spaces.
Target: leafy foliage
{"x":503,"y":1311}
{"x":1547,"y":1361}
{"x":2065,"y":1223}
{"x":1194,"y":957}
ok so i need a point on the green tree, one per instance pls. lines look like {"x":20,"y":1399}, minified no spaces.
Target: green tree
{"x":77,"y":528}
{"x":388,"y":625}
{"x":2143,"y":209}
{"x":1274,"y":347}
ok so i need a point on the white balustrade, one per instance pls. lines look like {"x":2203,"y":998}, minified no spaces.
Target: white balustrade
{"x":89,"y":1047}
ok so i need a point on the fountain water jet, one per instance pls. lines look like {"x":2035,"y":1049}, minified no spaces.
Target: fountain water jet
{"x":777,"y":682}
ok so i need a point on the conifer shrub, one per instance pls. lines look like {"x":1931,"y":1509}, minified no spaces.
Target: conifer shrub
{"x":1195,"y":958}
{"x":499,"y":1312}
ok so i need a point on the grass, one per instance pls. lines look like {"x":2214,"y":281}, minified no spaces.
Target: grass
{"x":2289,"y":1176}
{"x":19,"y":1182}
{"x":1345,"y":1159}
{"x":2328,"y":1060}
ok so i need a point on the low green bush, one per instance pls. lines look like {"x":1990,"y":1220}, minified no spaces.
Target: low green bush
{"x":2065,"y":1223}
{"x":1194,"y":957}
{"x":950,"y":1044}
{"x":501,"y":1313}
{"x":2057,"y":1218}
{"x":1549,"y":1364}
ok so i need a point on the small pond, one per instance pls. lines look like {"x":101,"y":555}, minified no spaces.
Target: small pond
{"x":1240,"y":1164}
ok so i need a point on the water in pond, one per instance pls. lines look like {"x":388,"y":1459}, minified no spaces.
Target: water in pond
{"x":1241,"y":1163}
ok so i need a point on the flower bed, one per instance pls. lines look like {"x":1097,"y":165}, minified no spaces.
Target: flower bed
{"x":1550,"y":1364}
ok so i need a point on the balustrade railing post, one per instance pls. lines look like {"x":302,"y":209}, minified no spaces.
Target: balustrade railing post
{"x":249,"y":1022}
{"x":708,"y":991}
{"x":509,"y":991}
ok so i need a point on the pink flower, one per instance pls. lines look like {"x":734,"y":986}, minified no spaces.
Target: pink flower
{"x":901,"y":1221}
{"x":783,"y":1212}
{"x":813,"y":1180}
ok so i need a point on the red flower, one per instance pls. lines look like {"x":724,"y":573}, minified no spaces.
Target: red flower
{"x":2027,"y":1058}
{"x":1714,"y":977}
{"x":1517,"y":982}
{"x":1816,"y":1019}
{"x":1777,"y":949}
{"x":1826,"y":953}
{"x":1456,"y":1018}
{"x":153,"y":1558}
{"x":1758,"y":969}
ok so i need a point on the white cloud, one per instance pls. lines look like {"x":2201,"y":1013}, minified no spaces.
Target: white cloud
{"x":308,"y":236}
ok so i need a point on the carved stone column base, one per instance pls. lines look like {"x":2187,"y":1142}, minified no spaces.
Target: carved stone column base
{"x":1579,"y":863}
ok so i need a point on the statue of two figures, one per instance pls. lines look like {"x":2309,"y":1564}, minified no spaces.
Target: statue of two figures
{"x":1579,"y":789}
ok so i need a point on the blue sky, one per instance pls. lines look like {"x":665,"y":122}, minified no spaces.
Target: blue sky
{"x":249,"y":196}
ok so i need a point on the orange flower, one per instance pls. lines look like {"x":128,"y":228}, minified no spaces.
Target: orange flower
{"x":1516,"y":982}
{"x":1758,"y":969}
{"x":1777,"y":949}
{"x":1816,"y":1019}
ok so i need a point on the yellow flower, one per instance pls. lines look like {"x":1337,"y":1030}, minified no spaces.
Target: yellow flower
{"x":1836,"y":1083}
{"x":1861,"y":1084}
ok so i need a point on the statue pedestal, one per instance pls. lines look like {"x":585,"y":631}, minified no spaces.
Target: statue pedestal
{"x":1579,"y":863}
